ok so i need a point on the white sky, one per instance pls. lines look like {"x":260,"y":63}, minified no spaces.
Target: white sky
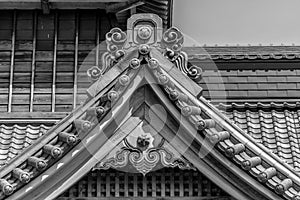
{"x":241,"y":22}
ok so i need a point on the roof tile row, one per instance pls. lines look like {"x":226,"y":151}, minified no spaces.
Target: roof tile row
{"x":276,"y":128}
{"x":253,"y":84}
{"x":15,"y":138}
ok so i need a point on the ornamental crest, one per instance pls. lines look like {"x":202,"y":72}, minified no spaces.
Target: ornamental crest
{"x":142,"y":152}
{"x":145,"y":31}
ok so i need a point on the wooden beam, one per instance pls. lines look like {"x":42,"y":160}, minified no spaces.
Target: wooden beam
{"x":33,"y":115}
{"x":45,"y":4}
{"x":54,"y":62}
{"x":12,"y":59}
{"x":76,"y":60}
{"x":123,"y":6}
{"x":56,"y":4}
{"x":33,"y":61}
{"x":145,"y":198}
{"x":97,"y":37}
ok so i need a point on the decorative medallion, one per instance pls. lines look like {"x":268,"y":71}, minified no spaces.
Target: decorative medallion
{"x":142,"y":152}
{"x":144,"y":32}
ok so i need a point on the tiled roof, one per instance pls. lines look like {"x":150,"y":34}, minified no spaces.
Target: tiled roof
{"x":243,"y":52}
{"x":274,"y":125}
{"x":257,"y":85}
{"x":14,"y":138}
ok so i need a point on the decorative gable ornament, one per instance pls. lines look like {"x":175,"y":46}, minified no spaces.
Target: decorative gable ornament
{"x":138,"y":152}
{"x":145,"y":31}
{"x":123,"y":123}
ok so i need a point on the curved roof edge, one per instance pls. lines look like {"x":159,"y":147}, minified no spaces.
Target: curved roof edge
{"x":244,"y":53}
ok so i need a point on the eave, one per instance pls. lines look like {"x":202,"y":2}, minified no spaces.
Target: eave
{"x":58,"y":4}
{"x":247,"y":57}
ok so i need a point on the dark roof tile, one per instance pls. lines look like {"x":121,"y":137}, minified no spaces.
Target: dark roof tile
{"x":274,"y":128}
{"x":14,"y":138}
{"x":267,"y":84}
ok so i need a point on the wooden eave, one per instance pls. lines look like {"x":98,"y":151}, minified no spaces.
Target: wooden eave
{"x":58,"y":4}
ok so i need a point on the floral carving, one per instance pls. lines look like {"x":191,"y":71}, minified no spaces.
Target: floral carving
{"x":172,"y":39}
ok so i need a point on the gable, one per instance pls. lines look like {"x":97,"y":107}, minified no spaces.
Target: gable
{"x":199,"y":132}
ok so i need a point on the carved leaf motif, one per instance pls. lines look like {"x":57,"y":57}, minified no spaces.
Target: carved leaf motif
{"x":172,"y":39}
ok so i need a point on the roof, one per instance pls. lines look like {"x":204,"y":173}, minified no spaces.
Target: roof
{"x":278,"y":85}
{"x":190,"y":123}
{"x":275,"y":125}
{"x":243,"y":52}
{"x":15,"y":138}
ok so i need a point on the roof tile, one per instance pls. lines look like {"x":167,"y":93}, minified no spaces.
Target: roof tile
{"x":276,"y":79}
{"x":256,"y":79}
{"x":239,"y":94}
{"x":293,"y":79}
{"x":247,"y":86}
{"x":287,"y":73}
{"x":287,"y":85}
{"x":14,"y":138}
{"x":266,"y":72}
{"x":258,"y":94}
{"x":277,"y":93}
{"x":267,"y":86}
{"x":233,"y":79}
{"x":293,"y":93}
{"x":247,"y":73}
{"x":273,"y":129}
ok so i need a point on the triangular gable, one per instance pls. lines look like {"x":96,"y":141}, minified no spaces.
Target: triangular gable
{"x":197,"y":130}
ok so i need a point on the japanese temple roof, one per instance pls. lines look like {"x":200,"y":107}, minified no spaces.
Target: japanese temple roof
{"x":256,"y":157}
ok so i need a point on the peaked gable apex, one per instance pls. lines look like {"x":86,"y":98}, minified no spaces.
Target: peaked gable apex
{"x":204,"y":137}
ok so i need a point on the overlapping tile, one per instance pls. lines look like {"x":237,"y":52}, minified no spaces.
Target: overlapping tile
{"x":15,"y":138}
{"x":276,"y":126}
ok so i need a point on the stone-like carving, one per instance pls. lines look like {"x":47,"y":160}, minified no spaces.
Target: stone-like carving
{"x":172,"y":39}
{"x":145,"y":31}
{"x":94,"y":73}
{"x":146,"y":154}
{"x":115,"y":40}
